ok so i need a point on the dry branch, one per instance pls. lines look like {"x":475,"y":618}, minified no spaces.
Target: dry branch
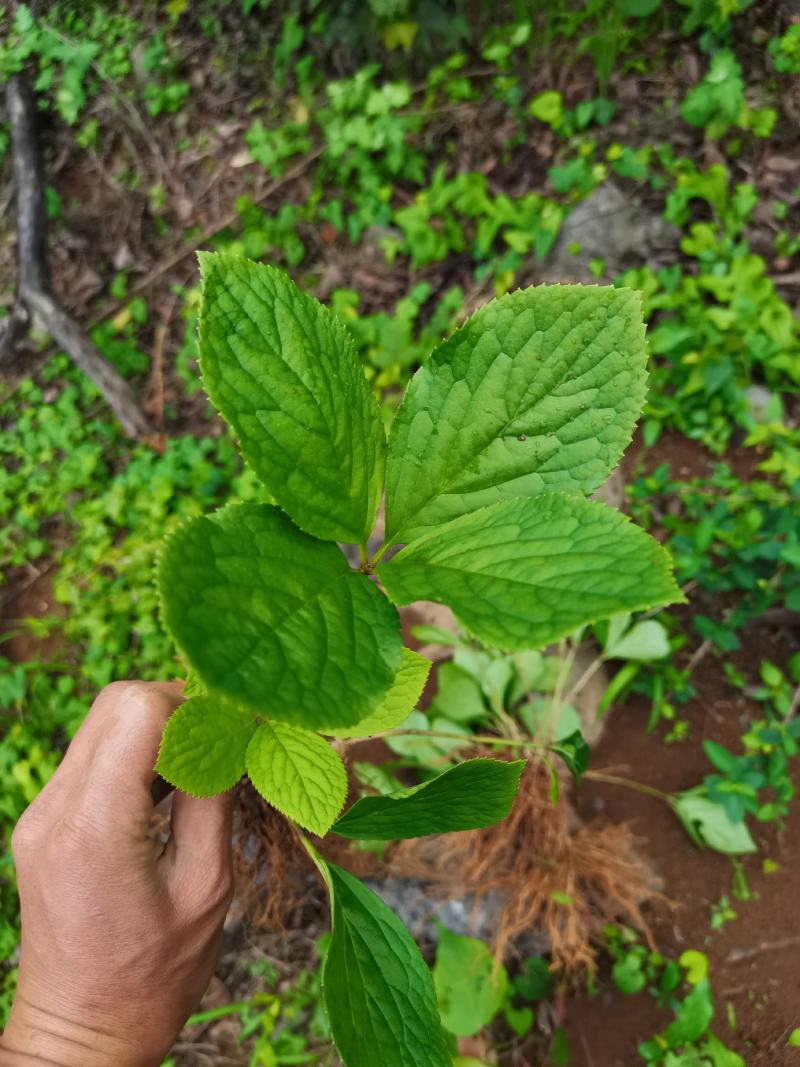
{"x":35,"y":298}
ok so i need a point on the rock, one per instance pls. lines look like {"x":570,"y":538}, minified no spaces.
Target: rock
{"x":611,"y":226}
{"x":412,"y":901}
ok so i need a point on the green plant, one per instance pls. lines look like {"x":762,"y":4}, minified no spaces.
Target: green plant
{"x":509,"y":423}
{"x":785,"y":51}
{"x":720,"y":328}
{"x":688,"y":1040}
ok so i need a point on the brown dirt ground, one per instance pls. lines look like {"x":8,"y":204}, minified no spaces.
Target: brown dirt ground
{"x":754,"y":958}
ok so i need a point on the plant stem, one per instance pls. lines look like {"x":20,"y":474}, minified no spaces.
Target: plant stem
{"x":363,"y":558}
{"x":380,"y":553}
{"x":466,"y":739}
{"x":640,"y":787}
{"x":590,"y":672}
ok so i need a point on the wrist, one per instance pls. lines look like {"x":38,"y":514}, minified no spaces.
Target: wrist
{"x":46,"y":1038}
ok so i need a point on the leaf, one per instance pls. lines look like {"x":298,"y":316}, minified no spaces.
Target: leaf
{"x":470,"y":986}
{"x":694,"y":1015}
{"x":574,"y":751}
{"x":708,"y":824}
{"x":646,"y":640}
{"x":538,"y":391}
{"x":473,"y":794}
{"x":284,"y":372}
{"x":458,"y":695}
{"x":298,"y":773}
{"x":523,"y":573}
{"x":399,"y":701}
{"x":424,"y":749}
{"x":719,"y":1055}
{"x":628,"y":975}
{"x":269,"y":616}
{"x":203,"y":748}
{"x":696,"y":965}
{"x":378,"y":991}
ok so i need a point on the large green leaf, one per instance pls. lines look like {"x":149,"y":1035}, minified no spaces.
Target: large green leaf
{"x":298,"y":773}
{"x":378,"y":991}
{"x":397,"y":704}
{"x":275,"y":619}
{"x":538,"y":391}
{"x":203,"y":748}
{"x":707,"y":823}
{"x":470,"y":986}
{"x":470,"y":795}
{"x":284,"y":372}
{"x":523,"y":573}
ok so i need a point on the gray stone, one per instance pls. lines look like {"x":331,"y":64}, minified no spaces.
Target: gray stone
{"x":612,"y":226}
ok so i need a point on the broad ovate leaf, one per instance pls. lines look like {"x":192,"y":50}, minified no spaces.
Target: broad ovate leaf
{"x":469,"y":796}
{"x":470,"y":985}
{"x":298,"y":773}
{"x":523,"y":573}
{"x":538,"y":391}
{"x":707,"y":823}
{"x":284,"y":372}
{"x":204,"y":743}
{"x":276,"y":620}
{"x":399,"y":701}
{"x":378,"y":990}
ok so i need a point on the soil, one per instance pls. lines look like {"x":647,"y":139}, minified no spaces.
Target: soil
{"x":753,"y":958}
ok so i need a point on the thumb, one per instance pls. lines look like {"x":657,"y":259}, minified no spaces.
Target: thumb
{"x":200,"y":845}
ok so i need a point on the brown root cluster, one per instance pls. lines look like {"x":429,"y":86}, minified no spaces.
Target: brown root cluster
{"x":552,"y":874}
{"x":272,"y":870}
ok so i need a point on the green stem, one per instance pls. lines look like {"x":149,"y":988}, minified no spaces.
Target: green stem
{"x":465,"y":739}
{"x":640,"y":787}
{"x":381,"y":552}
{"x":363,"y":557}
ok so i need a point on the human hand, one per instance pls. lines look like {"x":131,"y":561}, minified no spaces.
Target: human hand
{"x":120,"y":934}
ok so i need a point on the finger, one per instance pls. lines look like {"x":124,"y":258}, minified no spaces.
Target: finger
{"x":111,"y":761}
{"x":201,"y":831}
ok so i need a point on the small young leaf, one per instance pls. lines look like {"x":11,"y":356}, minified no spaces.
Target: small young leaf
{"x":275,"y":619}
{"x":645,"y":641}
{"x":203,"y":748}
{"x":694,"y":1016}
{"x":378,"y":991}
{"x":574,"y":751}
{"x":538,"y":391}
{"x":469,"y":986}
{"x":397,"y":704}
{"x":523,"y":573}
{"x":298,"y":773}
{"x":470,"y":795}
{"x":284,"y":372}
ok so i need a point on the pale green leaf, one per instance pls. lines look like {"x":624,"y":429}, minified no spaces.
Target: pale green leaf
{"x":470,"y":986}
{"x":204,"y":743}
{"x":469,"y":796}
{"x":378,"y":990}
{"x":427,"y":749}
{"x":538,"y":391}
{"x":458,"y":694}
{"x":708,"y":824}
{"x":298,"y":773}
{"x":275,"y":619}
{"x":644,"y":641}
{"x":284,"y":372}
{"x":523,"y":573}
{"x":397,"y":704}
